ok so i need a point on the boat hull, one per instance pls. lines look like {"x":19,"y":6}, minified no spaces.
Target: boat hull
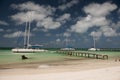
{"x":27,"y":50}
{"x":94,"y":49}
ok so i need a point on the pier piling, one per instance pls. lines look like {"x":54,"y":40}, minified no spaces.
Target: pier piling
{"x":83,"y":54}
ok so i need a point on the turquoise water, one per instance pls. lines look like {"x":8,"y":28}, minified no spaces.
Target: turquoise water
{"x":7,"y":56}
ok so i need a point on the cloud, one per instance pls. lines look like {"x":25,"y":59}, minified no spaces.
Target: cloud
{"x":108,"y":32}
{"x":3,"y":23}
{"x":15,"y":34}
{"x":96,"y":34}
{"x":96,"y":17}
{"x":116,"y":25}
{"x":64,"y":18}
{"x":48,"y":23}
{"x":40,"y":14}
{"x":68,"y":5}
{"x":99,"y":9}
{"x":28,"y":16}
{"x":5,"y":30}
{"x":85,"y":23}
{"x":67,"y":34}
{"x":31,"y":6}
{"x":8,"y":30}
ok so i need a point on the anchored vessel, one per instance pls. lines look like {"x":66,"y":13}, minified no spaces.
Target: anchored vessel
{"x":94,"y":48}
{"x":27,"y":46}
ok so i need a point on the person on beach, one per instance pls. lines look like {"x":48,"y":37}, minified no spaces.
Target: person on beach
{"x":24,"y":57}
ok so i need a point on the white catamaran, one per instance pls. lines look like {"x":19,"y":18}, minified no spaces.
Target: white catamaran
{"x":27,"y":48}
{"x":94,"y":48}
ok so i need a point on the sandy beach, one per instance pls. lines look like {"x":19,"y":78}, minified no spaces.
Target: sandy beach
{"x":111,"y":73}
{"x":89,"y":69}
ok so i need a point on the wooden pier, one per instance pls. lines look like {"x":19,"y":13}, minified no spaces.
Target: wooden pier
{"x":83,"y":54}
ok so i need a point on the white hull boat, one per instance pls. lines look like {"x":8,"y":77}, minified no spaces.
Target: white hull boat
{"x":18,"y":50}
{"x":27,"y":48}
{"x":93,"y":49}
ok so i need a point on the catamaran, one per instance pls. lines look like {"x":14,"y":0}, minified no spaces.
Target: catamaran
{"x":27,"y":48}
{"x":94,"y":48}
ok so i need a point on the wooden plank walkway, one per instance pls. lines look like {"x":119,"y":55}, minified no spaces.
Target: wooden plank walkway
{"x":83,"y":54}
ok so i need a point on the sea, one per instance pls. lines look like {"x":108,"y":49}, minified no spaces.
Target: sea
{"x":8,"y":57}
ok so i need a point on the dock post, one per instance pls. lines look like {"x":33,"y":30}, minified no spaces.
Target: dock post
{"x":105,"y":56}
{"x":81,"y":54}
{"x":88,"y":55}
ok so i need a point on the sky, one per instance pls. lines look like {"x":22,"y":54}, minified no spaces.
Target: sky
{"x":61,"y":23}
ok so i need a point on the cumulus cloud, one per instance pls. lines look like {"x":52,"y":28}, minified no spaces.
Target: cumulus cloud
{"x":99,"y":9}
{"x":108,"y":31}
{"x":3,"y":23}
{"x":68,"y":5}
{"x":96,"y":17}
{"x":15,"y":34}
{"x":28,"y":16}
{"x":96,"y":34}
{"x":88,"y":22}
{"x":48,"y":23}
{"x":64,"y":18}
{"x":66,"y":34}
{"x":117,"y":25}
{"x":38,"y":13}
{"x":31,"y":11}
{"x":31,"y":6}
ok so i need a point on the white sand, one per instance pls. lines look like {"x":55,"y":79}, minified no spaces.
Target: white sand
{"x":110,"y":73}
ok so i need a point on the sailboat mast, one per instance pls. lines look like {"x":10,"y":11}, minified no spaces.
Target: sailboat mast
{"x":28,"y":35}
{"x":25,"y":35}
{"x":94,"y":42}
